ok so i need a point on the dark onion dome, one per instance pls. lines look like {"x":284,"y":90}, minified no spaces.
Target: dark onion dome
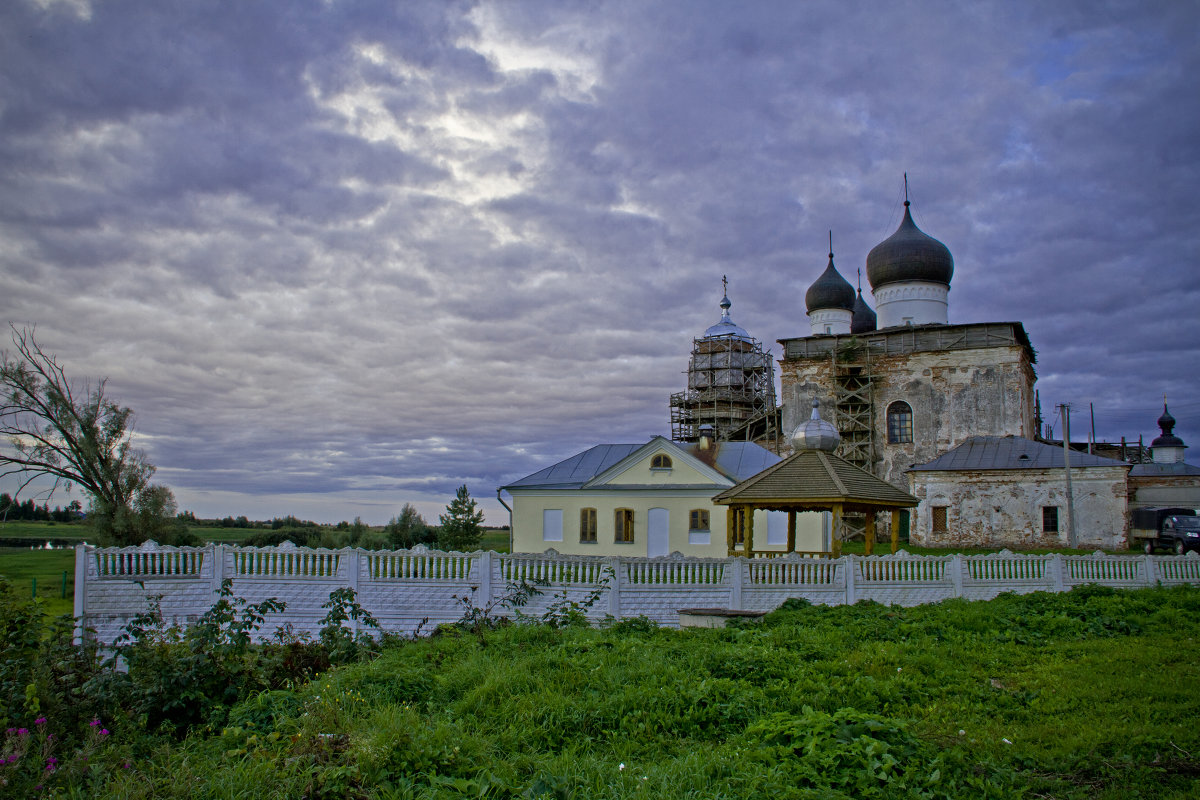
{"x":1166,"y":423}
{"x":863,"y":319}
{"x":830,"y":290}
{"x":909,"y":254}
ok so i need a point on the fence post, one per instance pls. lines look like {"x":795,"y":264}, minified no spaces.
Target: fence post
{"x":81,"y":558}
{"x":614,"y":586}
{"x":1148,"y":570}
{"x":956,"y":573}
{"x":216,"y":553}
{"x":485,"y":576}
{"x":848,"y":571}
{"x":354,"y":564}
{"x":1057,"y":581}
{"x":737,"y":581}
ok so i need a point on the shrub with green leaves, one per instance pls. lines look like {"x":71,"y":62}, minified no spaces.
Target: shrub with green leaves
{"x":42,"y":673}
{"x":173,"y":677}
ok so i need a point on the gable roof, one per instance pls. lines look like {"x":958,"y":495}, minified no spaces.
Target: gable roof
{"x":726,"y":462}
{"x":657,"y":445}
{"x":816,"y":479}
{"x":1009,"y":452}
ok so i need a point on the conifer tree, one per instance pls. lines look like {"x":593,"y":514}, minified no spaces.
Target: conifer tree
{"x":462,"y":524}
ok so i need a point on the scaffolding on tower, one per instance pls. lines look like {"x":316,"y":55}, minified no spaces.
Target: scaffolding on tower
{"x":731,"y":392}
{"x":854,"y":407}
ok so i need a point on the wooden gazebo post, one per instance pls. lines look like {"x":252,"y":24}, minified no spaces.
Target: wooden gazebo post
{"x":730,"y":528}
{"x":895,"y":529}
{"x":869,"y":531}
{"x":748,"y":542}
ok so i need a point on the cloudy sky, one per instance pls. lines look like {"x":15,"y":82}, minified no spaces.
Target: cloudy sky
{"x":339,"y":255}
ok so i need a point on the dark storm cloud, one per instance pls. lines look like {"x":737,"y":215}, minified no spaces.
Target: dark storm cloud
{"x":339,"y":256}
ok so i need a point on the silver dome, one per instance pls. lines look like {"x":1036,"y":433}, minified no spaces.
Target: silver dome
{"x":727,"y":327}
{"x":815,"y":434}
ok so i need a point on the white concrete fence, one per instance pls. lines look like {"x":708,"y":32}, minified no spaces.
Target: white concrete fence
{"x":404,"y":589}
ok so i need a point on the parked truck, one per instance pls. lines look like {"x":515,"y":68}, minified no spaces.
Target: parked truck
{"x":1172,"y":529}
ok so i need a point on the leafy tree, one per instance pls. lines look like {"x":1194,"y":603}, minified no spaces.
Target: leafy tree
{"x":74,"y":434}
{"x":462,"y":524}
{"x":409,"y":529}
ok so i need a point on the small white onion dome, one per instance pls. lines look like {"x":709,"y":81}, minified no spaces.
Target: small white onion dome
{"x":815,"y":434}
{"x":727,"y":327}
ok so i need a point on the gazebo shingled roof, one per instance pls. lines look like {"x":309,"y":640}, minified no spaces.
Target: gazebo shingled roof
{"x":812,"y":480}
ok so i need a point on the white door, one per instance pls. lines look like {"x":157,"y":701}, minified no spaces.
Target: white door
{"x":658,"y":532}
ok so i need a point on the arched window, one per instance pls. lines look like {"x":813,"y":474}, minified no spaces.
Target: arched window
{"x":900,"y":423}
{"x":660,"y":461}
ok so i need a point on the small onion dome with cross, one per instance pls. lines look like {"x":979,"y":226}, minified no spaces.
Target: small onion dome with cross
{"x":1167,"y":448}
{"x":727,"y":327}
{"x":830,"y":301}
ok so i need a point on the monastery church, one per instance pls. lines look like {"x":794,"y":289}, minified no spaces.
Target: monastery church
{"x":944,"y":412}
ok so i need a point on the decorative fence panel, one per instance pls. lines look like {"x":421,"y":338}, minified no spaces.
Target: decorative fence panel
{"x":411,"y":590}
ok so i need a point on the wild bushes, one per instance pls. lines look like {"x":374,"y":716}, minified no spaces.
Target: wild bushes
{"x":1086,"y":694}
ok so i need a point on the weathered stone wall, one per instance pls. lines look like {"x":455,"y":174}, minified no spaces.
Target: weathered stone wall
{"x":1003,"y":508}
{"x":415,"y":590}
{"x":1164,"y":490}
{"x":954,"y":394}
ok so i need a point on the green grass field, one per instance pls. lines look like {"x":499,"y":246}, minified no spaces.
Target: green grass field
{"x":1075,"y":696}
{"x":494,"y":540}
{"x":43,"y":530}
{"x":48,"y":568}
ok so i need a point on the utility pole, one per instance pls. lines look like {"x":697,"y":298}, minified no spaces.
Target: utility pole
{"x":1065,"y":408}
{"x":1092,"y":441}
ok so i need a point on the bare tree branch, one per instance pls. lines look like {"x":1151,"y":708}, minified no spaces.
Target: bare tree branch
{"x":73,"y":434}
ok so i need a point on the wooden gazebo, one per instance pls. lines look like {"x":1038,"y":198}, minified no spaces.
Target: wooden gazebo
{"x":811,"y":480}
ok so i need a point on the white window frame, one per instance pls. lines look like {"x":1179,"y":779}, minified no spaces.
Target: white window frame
{"x":552,"y":525}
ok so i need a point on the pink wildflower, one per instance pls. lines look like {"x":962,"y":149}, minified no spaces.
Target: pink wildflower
{"x":40,"y":721}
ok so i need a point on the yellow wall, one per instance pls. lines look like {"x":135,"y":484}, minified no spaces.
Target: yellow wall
{"x":528,"y":506}
{"x":641,"y":474}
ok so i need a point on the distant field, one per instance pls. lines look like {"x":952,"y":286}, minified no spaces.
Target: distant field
{"x":494,"y":540}
{"x":22,"y":566}
{"x":221,"y":535}
{"x":75,"y":531}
